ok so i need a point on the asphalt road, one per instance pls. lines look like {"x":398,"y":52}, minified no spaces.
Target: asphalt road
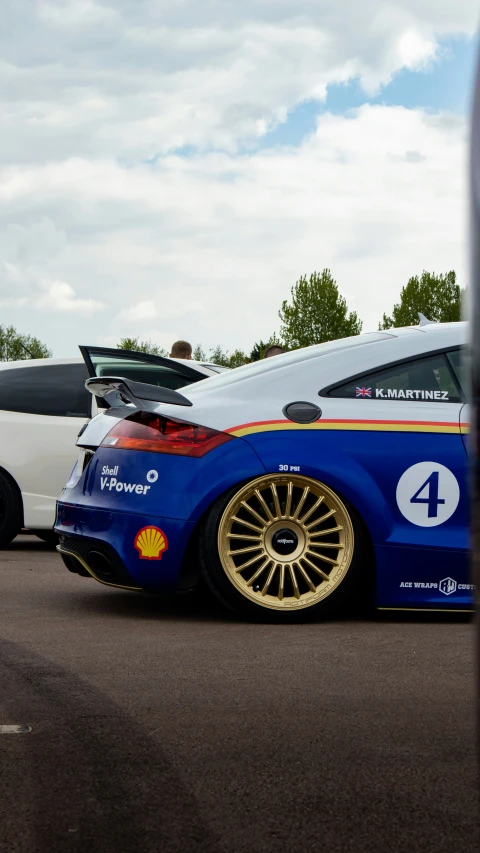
{"x":168,"y":726}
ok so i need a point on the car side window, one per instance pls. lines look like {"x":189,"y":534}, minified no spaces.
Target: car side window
{"x":418,"y":380}
{"x":460,"y":362}
{"x":50,"y":389}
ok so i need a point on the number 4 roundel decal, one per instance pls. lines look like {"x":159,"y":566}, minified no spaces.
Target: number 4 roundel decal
{"x":427,"y":494}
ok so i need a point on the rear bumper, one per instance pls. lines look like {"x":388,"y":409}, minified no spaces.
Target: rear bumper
{"x":94,"y":558}
{"x":102,"y":544}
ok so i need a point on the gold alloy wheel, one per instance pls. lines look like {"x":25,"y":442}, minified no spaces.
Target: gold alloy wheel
{"x":285,"y":541}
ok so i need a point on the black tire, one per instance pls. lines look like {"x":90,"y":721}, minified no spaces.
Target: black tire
{"x":353,"y":593}
{"x":10,"y":511}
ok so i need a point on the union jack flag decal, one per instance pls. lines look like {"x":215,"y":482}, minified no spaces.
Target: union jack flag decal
{"x":364,"y":392}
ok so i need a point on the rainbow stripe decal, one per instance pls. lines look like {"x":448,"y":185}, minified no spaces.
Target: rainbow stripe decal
{"x":343,"y":424}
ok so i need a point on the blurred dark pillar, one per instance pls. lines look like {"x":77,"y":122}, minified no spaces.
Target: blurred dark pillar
{"x":475,"y":346}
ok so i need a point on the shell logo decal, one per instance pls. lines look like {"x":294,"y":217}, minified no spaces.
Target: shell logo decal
{"x":150,"y":543}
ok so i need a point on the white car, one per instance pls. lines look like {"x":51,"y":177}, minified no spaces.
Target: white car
{"x":43,"y":406}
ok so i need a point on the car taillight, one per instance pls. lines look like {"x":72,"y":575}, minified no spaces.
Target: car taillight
{"x":152,"y":433}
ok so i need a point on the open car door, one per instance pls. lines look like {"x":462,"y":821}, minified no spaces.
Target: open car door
{"x":141,"y":367}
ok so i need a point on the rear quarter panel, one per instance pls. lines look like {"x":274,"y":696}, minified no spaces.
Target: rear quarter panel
{"x":170,"y":486}
{"x":173,"y":493}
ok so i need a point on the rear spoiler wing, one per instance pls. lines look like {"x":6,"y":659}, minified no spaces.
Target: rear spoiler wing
{"x":118,"y":392}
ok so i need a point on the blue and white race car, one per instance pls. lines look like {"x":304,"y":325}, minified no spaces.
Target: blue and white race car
{"x":294,"y":485}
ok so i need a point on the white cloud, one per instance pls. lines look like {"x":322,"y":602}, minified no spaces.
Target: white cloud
{"x":136,"y":80}
{"x":60,"y":297}
{"x":415,"y":51}
{"x":74,"y":13}
{"x":27,"y":254}
{"x":209,"y":245}
{"x":9,"y":273}
{"x":139,"y":312}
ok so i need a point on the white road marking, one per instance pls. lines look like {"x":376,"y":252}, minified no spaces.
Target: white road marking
{"x":15,"y":730}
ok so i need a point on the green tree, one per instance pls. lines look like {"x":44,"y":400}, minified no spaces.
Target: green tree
{"x":438,"y":297}
{"x":198,"y":353}
{"x":317,"y":313}
{"x":17,"y":347}
{"x":237,"y":358}
{"x":134,"y":345}
{"x":260,"y":347}
{"x":257,"y":351}
{"x":223,"y":358}
{"x":219,"y":356}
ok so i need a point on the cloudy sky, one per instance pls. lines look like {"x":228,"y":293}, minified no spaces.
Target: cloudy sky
{"x":169,"y":168}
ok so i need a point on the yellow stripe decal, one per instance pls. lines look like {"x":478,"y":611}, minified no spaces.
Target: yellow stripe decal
{"x":359,"y":426}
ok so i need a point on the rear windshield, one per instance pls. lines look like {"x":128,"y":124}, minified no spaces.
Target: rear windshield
{"x":255,"y":368}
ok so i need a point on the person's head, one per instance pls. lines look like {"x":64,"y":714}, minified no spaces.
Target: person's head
{"x":273,"y":349}
{"x":181,"y":349}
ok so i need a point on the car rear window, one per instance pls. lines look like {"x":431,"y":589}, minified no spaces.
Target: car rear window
{"x":461,"y":363}
{"x":50,"y":389}
{"x":267,"y":365}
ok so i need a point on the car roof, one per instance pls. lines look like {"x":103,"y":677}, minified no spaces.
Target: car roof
{"x":39,"y":362}
{"x":333,"y":360}
{"x":383,"y":346}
